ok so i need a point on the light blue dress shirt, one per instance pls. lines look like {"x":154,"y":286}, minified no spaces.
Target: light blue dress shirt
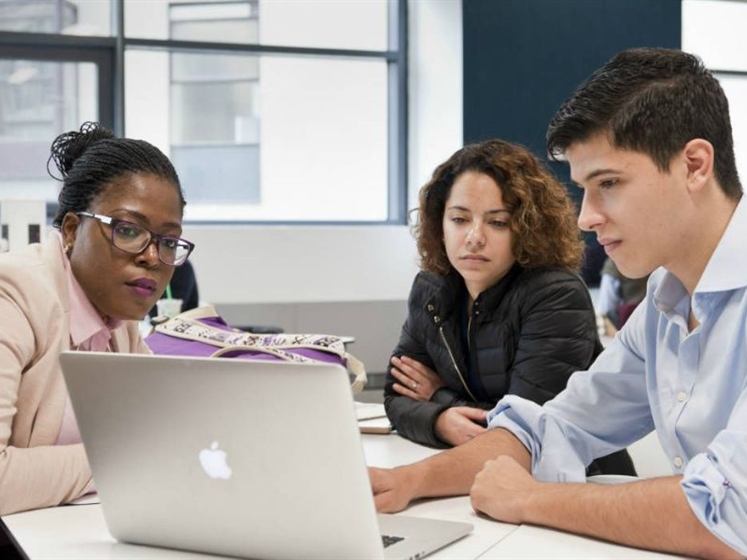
{"x":689,"y":386}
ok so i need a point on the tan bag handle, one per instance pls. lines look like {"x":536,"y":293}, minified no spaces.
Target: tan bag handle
{"x":187,"y":326}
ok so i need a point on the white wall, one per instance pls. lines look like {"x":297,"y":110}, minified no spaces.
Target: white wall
{"x":323,"y":140}
{"x":281,"y":264}
{"x":288,"y":264}
{"x":714,"y":30}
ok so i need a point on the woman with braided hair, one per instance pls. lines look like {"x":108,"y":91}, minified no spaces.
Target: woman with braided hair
{"x":115,"y":245}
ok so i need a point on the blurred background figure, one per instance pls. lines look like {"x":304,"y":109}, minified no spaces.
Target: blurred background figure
{"x":618,"y":297}
{"x":183,"y":286}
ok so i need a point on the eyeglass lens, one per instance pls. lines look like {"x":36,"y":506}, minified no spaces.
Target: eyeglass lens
{"x":133,"y":239}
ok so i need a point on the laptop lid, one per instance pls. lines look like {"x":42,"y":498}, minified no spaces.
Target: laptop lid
{"x":245,"y":458}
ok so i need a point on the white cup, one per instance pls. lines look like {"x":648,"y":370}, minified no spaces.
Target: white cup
{"x":168,"y":307}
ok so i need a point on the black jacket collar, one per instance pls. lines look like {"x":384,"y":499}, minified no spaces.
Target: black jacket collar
{"x":449,"y":295}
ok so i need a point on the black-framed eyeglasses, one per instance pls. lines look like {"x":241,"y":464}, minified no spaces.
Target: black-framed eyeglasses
{"x":134,"y":239}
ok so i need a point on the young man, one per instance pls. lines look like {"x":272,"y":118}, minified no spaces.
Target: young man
{"x":649,"y":141}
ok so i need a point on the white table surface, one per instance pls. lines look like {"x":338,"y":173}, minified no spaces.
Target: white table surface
{"x":528,"y":541}
{"x":80,"y":531}
{"x":77,"y":532}
{"x":503,"y":540}
{"x":391,"y":451}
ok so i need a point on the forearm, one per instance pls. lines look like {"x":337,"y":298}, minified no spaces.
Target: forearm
{"x":452,"y":472}
{"x":652,"y":514}
{"x":40,"y":477}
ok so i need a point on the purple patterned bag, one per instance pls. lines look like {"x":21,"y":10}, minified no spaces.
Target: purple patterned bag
{"x":202,"y":332}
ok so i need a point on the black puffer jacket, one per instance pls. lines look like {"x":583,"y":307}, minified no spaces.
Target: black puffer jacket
{"x":528,"y":333}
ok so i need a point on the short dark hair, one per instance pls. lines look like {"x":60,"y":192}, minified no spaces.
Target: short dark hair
{"x":652,"y":101}
{"x":543,"y":219}
{"x":92,"y":159}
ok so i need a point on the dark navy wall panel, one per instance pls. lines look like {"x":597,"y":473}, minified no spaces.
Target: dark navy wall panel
{"x":523,"y":58}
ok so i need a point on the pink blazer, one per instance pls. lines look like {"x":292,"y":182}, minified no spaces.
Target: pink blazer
{"x":34,"y":315}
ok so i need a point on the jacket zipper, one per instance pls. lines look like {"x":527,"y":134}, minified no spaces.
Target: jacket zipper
{"x":453,"y":361}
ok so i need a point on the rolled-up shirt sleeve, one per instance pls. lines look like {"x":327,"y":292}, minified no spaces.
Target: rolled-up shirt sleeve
{"x":630,"y":389}
{"x":715,"y":483}
{"x":554,"y":458}
{"x":601,"y":411}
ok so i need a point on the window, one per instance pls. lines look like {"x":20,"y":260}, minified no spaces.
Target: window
{"x":219,"y":147}
{"x":43,"y":92}
{"x":37,"y":17}
{"x":272,"y":111}
{"x":299,"y":124}
{"x":65,"y":17}
{"x":38,"y":101}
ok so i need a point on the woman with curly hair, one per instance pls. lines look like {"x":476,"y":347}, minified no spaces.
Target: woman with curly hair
{"x":498,"y":307}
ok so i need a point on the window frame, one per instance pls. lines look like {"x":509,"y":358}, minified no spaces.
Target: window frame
{"x":63,"y":48}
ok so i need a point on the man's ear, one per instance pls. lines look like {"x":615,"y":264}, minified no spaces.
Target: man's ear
{"x":698,"y":155}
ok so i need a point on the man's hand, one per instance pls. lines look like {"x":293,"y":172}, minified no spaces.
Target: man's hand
{"x":501,"y":489}
{"x":459,"y":424}
{"x":415,"y":380}
{"x":391,"y":491}
{"x":449,"y":473}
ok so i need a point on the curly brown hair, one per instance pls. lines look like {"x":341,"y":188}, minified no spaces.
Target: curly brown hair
{"x":543,"y":218}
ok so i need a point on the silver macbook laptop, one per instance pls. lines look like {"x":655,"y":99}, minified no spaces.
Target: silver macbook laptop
{"x":234,"y":457}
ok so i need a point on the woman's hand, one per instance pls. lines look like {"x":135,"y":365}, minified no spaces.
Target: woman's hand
{"x":459,"y":424}
{"x":415,"y":380}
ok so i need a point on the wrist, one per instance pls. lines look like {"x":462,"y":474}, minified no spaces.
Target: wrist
{"x":526,"y":505}
{"x":412,"y":476}
{"x":536,"y":501}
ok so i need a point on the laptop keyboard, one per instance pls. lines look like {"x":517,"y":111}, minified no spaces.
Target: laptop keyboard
{"x":388,"y":540}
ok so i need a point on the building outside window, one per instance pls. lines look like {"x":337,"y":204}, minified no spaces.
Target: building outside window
{"x":288,"y":111}
{"x":38,"y":98}
{"x":220,"y":146}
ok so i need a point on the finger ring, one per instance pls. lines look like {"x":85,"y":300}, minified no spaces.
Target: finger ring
{"x":415,"y":385}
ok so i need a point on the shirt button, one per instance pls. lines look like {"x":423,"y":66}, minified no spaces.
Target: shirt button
{"x":678,"y":462}
{"x":682,"y":396}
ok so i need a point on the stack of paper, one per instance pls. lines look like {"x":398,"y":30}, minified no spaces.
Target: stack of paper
{"x":372,"y":418}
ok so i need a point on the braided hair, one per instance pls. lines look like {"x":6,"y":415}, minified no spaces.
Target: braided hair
{"x":91,"y":159}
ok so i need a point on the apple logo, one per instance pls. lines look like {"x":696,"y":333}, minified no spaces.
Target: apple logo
{"x":213,"y":462}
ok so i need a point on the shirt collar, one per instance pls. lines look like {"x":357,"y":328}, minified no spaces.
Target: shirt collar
{"x":670,"y":295}
{"x":726,"y":269}
{"x":88,"y":329}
